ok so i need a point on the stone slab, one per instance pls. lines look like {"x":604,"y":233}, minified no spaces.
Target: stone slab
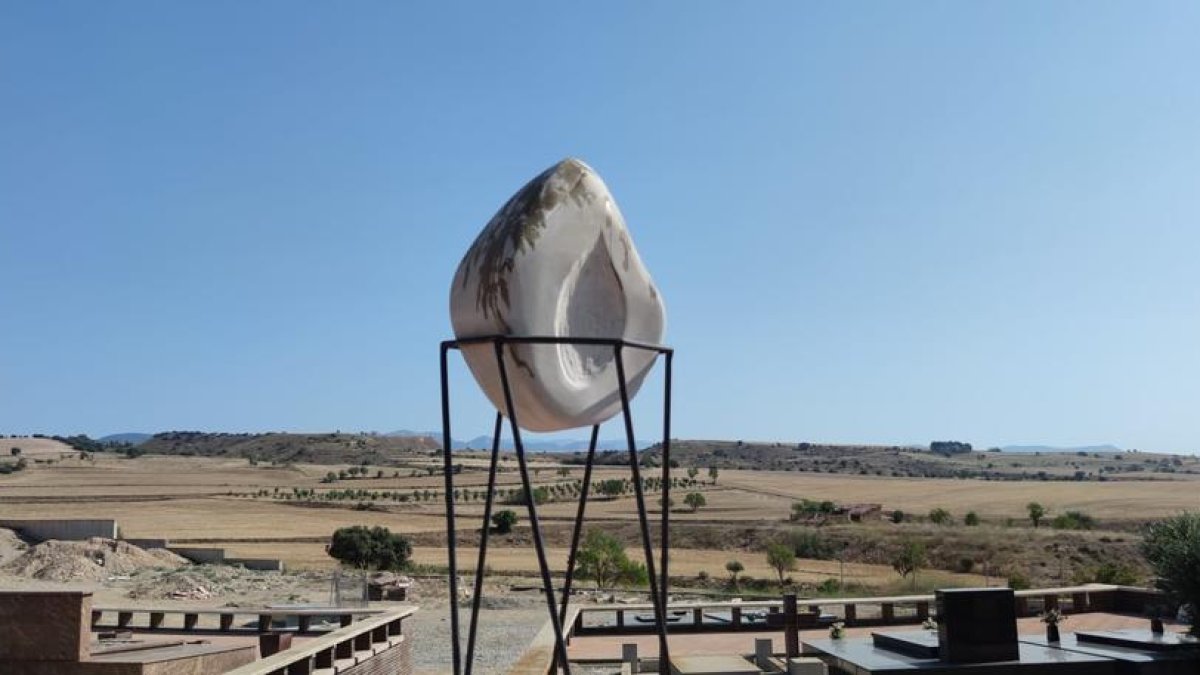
{"x":712,"y":665}
{"x":861,"y":656}
{"x":1140,"y":639}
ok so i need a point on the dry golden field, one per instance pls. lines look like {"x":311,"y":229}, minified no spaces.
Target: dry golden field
{"x":194,"y":499}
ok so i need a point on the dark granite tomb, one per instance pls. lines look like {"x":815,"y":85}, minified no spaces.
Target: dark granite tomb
{"x":1140,"y":639}
{"x":977,"y":625}
{"x":920,"y":644}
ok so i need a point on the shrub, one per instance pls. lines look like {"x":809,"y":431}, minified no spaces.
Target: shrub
{"x":897,"y":516}
{"x":1073,"y":520}
{"x":808,"y":544}
{"x":734,"y":567}
{"x":965,"y":565}
{"x":1017,"y":580}
{"x":1109,"y":573}
{"x":1172,"y":547}
{"x":695,"y":500}
{"x":503,"y":521}
{"x":829,"y":587}
{"x":940,"y":516}
{"x":971,"y":519}
{"x":370,"y":548}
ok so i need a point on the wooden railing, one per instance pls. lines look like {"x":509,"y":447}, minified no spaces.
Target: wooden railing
{"x":338,"y":650}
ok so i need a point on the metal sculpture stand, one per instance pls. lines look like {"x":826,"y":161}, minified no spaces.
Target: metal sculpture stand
{"x":558,"y":614}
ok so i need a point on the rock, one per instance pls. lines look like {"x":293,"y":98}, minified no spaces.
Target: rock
{"x":557,"y":260}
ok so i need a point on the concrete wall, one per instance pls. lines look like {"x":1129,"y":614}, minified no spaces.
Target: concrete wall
{"x":64,"y":529}
{"x":149,"y":543}
{"x":265,"y":564}
{"x":200,"y":555}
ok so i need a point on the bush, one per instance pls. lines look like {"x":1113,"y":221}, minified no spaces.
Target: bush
{"x":1073,"y":520}
{"x":1172,"y":547}
{"x":1109,"y":573}
{"x":897,"y":516}
{"x":1017,"y":580}
{"x":809,"y":544}
{"x":541,"y":495}
{"x":370,"y":548}
{"x":965,"y":565}
{"x":503,"y":521}
{"x":829,"y":587}
{"x":971,"y":519}
{"x":940,"y":516}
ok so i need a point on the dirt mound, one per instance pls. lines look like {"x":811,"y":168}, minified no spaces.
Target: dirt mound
{"x":11,"y":545}
{"x":202,"y":582}
{"x":93,"y":560}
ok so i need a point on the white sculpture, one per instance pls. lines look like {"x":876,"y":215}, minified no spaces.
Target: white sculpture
{"x":557,"y":260}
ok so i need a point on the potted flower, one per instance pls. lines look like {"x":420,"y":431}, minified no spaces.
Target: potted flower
{"x":1052,"y":617}
{"x":837,"y":631}
{"x":930,"y":624}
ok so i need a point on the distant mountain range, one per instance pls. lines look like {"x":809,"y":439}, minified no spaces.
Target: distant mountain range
{"x":1050,"y":448}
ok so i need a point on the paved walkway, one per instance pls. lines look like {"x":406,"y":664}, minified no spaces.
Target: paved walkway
{"x":608,"y":647}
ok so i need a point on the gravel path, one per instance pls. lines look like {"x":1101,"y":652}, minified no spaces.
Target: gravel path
{"x":505,"y":630}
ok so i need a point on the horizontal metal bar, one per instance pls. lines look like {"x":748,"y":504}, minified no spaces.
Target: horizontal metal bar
{"x":554,"y":340}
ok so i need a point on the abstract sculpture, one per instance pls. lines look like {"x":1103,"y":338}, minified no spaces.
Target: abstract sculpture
{"x":559,"y":322}
{"x":557,"y":260}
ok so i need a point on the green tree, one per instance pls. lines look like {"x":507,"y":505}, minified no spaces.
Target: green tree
{"x":370,"y":548}
{"x":713,"y":473}
{"x":971,"y":519}
{"x":692,"y":473}
{"x":695,"y":500}
{"x":503,"y":521}
{"x":909,"y":559}
{"x":781,"y":558}
{"x":1036,"y":512}
{"x":613,"y":487}
{"x":14,"y":452}
{"x":1172,"y":547}
{"x":602,"y":558}
{"x":940,"y":516}
{"x":734,"y":567}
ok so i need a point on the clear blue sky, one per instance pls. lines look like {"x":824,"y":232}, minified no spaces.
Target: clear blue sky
{"x":871,"y":222}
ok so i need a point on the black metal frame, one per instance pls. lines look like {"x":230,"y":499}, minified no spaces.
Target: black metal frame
{"x":658,"y":589}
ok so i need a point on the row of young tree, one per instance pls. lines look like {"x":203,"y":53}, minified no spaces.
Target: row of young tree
{"x":612,"y":488}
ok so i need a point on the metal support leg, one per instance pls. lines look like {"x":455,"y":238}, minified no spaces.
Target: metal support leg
{"x":483,"y":543}
{"x":547,"y":584}
{"x":575,"y":535}
{"x":451,"y":534}
{"x":660,"y":613}
{"x":665,"y":541}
